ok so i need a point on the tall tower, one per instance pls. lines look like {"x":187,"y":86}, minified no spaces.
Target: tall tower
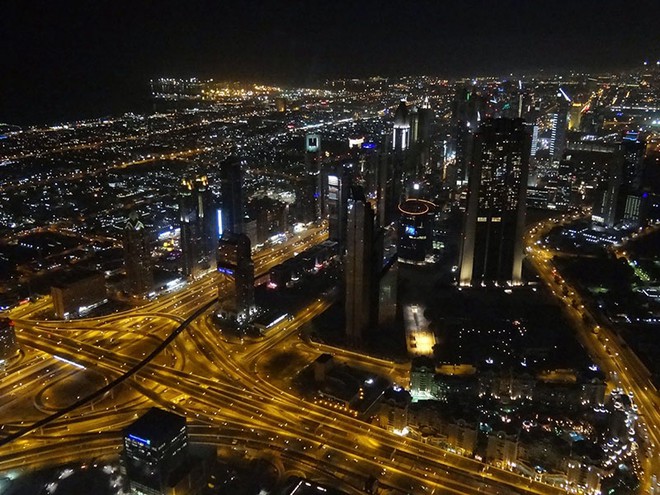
{"x":359,"y":267}
{"x":234,"y":260}
{"x":137,"y":257}
{"x":414,"y":125}
{"x":495,"y":218}
{"x":336,"y":187}
{"x":311,"y":186}
{"x":198,"y":226}
{"x":231,"y":188}
{"x":401,"y":133}
{"x":467,"y":112}
{"x":558,"y":126}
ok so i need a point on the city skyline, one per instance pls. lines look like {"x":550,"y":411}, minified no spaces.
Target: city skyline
{"x":294,"y":250}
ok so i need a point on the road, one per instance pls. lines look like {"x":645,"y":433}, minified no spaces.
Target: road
{"x":216,"y":383}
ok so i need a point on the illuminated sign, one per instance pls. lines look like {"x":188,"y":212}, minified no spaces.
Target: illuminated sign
{"x":139,"y":440}
{"x":368,"y":146}
{"x":410,"y":230}
{"x":226,"y":271}
{"x":220,"y":228}
{"x":355,"y":143}
{"x":333,"y":180}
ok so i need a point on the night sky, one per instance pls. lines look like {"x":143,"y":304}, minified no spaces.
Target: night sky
{"x":67,"y":60}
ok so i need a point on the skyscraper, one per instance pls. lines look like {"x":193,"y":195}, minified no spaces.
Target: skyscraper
{"x":359,"y":267}
{"x":467,"y":112}
{"x":401,"y":132}
{"x":137,"y":257}
{"x":155,"y":446}
{"x":231,"y":188}
{"x":492,"y":248}
{"x":336,"y":187}
{"x":234,"y":260}
{"x":559,"y":125}
{"x":198,"y":225}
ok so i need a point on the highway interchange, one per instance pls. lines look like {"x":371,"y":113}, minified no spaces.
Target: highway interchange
{"x":218,"y":383}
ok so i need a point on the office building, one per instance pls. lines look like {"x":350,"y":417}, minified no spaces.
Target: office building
{"x":77,"y":293}
{"x":199,"y":226}
{"x":231,"y":189}
{"x":155,"y":448}
{"x":359,"y":268}
{"x":336,"y":185}
{"x":8,"y":346}
{"x":310,"y":187}
{"x":415,"y":236}
{"x":558,"y":128}
{"x":492,"y":248}
{"x":388,"y":186}
{"x":137,"y":257}
{"x":234,"y":261}
{"x":401,"y":132}
{"x":468,"y":110}
{"x":625,"y":173}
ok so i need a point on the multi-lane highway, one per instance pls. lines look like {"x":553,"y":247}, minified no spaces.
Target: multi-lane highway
{"x":216,"y":382}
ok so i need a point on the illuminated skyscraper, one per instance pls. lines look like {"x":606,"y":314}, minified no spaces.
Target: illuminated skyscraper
{"x":231,"y":189}
{"x":401,"y":133}
{"x":415,"y":236}
{"x":361,"y":301}
{"x":467,"y":112}
{"x":492,"y":238}
{"x":234,"y":260}
{"x":137,"y":257}
{"x":155,"y":447}
{"x":336,"y":185}
{"x":198,"y":221}
{"x":558,"y":127}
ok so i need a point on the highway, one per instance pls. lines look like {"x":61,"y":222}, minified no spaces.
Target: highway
{"x":167,"y":353}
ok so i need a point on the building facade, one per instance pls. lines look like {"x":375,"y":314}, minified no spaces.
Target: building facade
{"x":492,"y":248}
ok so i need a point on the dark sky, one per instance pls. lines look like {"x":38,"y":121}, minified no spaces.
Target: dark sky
{"x":65,"y":59}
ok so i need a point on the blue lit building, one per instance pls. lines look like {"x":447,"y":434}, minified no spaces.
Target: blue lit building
{"x":155,"y":447}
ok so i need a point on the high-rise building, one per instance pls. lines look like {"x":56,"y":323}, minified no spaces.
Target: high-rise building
{"x":137,"y":257}
{"x":336,"y":184}
{"x":492,"y":248}
{"x":425,"y":121}
{"x":360,"y":268}
{"x":198,"y":222}
{"x":401,"y":132}
{"x":625,"y":172}
{"x":8,"y":346}
{"x":558,"y":128}
{"x":467,"y":112}
{"x":231,"y":189}
{"x":415,"y":240}
{"x":310,"y":187}
{"x":234,"y":260}
{"x":155,"y":446}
